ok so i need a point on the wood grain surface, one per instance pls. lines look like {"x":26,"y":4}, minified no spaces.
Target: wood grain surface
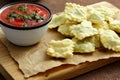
{"x":109,"y":72}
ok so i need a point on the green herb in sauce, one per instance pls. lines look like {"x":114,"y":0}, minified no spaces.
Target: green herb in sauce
{"x":12,"y":15}
{"x":22,"y":8}
{"x":24,"y":17}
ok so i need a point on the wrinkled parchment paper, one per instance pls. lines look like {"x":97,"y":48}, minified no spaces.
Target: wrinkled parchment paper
{"x":33,"y":59}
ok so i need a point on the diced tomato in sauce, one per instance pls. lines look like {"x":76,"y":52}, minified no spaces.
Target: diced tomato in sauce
{"x":28,"y":15}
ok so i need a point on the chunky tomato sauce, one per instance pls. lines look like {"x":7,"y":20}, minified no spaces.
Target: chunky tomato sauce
{"x":24,"y":15}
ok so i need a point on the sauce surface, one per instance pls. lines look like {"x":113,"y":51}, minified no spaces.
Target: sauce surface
{"x":24,"y":15}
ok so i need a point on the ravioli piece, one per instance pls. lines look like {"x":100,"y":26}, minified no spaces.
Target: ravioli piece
{"x":95,"y":40}
{"x":110,"y":40}
{"x":75,"y":12}
{"x":83,"y":30}
{"x":108,"y":19}
{"x":103,"y":25}
{"x":90,"y":9}
{"x":115,"y":25}
{"x":106,"y":11}
{"x":83,"y":46}
{"x":61,"y":48}
{"x":96,"y":17}
{"x":57,"y":20}
{"x":65,"y":29}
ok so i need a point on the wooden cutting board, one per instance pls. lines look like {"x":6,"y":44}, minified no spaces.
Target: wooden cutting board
{"x":9,"y":68}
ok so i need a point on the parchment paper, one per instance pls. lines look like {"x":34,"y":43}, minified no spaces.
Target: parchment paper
{"x":33,"y":59}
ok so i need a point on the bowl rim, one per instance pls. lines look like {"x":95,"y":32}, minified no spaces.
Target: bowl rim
{"x":26,"y":28}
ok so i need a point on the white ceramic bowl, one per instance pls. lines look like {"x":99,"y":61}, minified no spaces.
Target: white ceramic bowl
{"x":24,"y":36}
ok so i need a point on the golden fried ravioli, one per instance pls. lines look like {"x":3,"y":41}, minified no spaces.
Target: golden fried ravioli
{"x":115,"y":25}
{"x":75,"y":12}
{"x":65,"y":29}
{"x":57,"y":20}
{"x":89,"y":27}
{"x":83,"y":46}
{"x":61,"y":48}
{"x":110,"y":40}
{"x":83,"y":30}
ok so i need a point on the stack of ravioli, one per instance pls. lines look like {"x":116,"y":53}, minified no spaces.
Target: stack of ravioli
{"x":86,"y":28}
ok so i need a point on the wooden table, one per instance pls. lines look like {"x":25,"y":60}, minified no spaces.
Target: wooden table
{"x":109,"y":72}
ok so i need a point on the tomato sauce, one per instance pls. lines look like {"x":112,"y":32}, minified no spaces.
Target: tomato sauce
{"x":24,"y":15}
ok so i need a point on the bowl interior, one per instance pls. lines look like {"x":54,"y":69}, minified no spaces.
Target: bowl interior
{"x":26,"y":28}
